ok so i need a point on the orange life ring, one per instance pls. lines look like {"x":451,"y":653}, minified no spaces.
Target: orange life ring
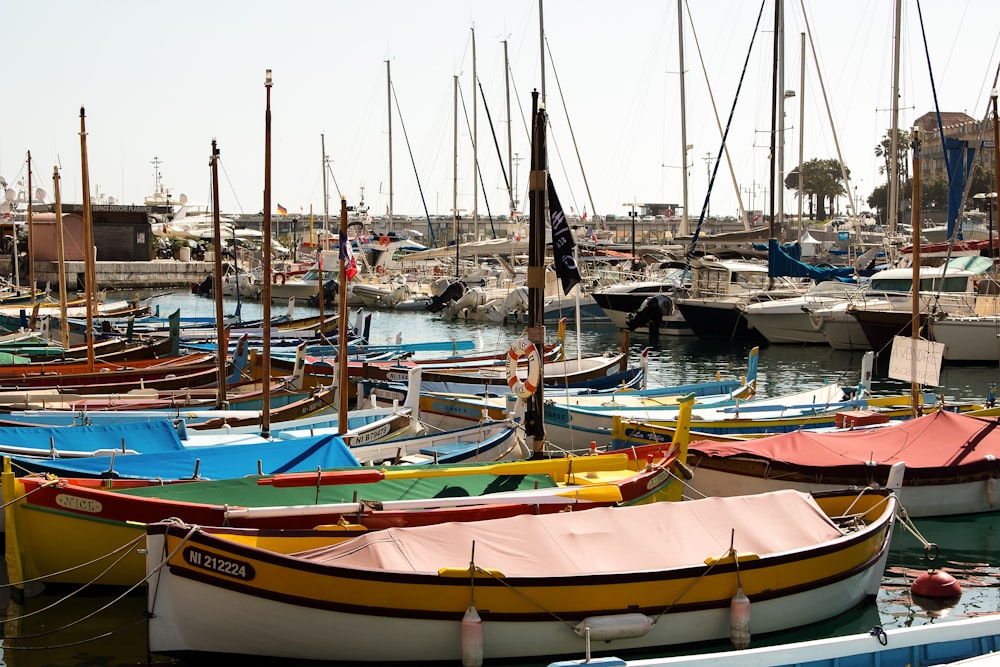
{"x":280,"y":278}
{"x":384,"y":240}
{"x":522,"y":347}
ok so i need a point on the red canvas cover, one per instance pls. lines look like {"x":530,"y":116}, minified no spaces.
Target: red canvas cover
{"x":656,"y":536}
{"x":938,"y":440}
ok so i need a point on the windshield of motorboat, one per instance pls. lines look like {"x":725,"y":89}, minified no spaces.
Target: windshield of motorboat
{"x":927,"y":284}
{"x":313,"y":275}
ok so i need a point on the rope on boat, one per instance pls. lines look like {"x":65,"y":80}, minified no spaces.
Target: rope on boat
{"x":128,"y":591}
{"x":123,"y":551}
{"x":49,"y":482}
{"x":931,"y":549}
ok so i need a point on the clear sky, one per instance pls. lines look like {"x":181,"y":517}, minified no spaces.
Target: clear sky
{"x":162,"y":79}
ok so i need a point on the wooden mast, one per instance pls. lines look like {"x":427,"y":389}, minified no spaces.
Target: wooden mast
{"x":538,"y":181}
{"x":61,"y":250}
{"x":88,"y":241}
{"x":342,"y":346}
{"x":222,"y":340}
{"x":915,"y":289}
{"x":265,"y":429}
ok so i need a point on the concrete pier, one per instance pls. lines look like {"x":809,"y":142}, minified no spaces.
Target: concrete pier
{"x":119,"y":275}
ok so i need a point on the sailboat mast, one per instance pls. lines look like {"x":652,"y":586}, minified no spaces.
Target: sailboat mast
{"x":61,"y":250}
{"x":265,"y":429}
{"x":772,"y":227}
{"x":475,"y":145}
{"x":802,"y":121}
{"x":510,"y":148}
{"x":538,"y":182}
{"x":342,"y":342}
{"x":31,"y":238}
{"x":388,"y":88}
{"x":326,"y":227}
{"x":778,"y":185}
{"x":915,"y":290}
{"x":222,"y":341}
{"x":88,"y":240}
{"x":894,"y":138}
{"x":683,"y":229}
{"x":454,"y":191}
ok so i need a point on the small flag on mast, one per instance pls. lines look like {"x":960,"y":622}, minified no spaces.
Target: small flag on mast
{"x":282,"y":210}
{"x":562,"y":244}
{"x":347,"y":257}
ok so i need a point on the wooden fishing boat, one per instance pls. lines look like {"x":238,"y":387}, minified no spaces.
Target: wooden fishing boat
{"x":654,"y":575}
{"x":56,"y":525}
{"x":951,"y":461}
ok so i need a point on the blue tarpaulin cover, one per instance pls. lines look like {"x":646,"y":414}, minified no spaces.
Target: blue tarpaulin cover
{"x":780,"y":263}
{"x":136,"y":437}
{"x":212,"y":462}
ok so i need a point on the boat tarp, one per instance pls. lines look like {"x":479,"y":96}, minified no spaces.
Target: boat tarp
{"x":655,"y":536}
{"x":157,"y":435}
{"x":939,"y":440}
{"x":211,"y":461}
{"x":780,"y":263}
{"x":245,"y":492}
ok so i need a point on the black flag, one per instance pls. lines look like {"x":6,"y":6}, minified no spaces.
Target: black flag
{"x":562,"y":244}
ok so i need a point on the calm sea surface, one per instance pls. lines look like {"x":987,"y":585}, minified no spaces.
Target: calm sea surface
{"x":109,"y":629}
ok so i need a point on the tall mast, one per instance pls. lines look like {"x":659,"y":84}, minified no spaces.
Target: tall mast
{"x":88,"y":240}
{"x":802,"y":120}
{"x":61,"y":250}
{"x":475,"y":145}
{"x":510,"y":149}
{"x":388,"y":85}
{"x":454,"y":191}
{"x":326,"y":227}
{"x":342,"y":343}
{"x":683,"y":229}
{"x":222,"y":341}
{"x":894,"y":139}
{"x":265,"y":429}
{"x":778,"y":186}
{"x":326,"y":192}
{"x":31,"y":238}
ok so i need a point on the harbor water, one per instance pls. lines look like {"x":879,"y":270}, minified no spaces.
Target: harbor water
{"x":67,"y":628}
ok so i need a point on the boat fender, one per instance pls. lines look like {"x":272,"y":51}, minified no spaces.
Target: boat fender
{"x":617,"y":626}
{"x":739,"y":620}
{"x":472,"y":638}
{"x":991,"y":491}
{"x":522,"y":347}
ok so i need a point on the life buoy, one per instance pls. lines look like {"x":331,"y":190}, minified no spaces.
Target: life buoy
{"x":280,"y":278}
{"x":383,"y":240}
{"x":522,"y":347}
{"x":437,"y":271}
{"x":379,"y":269}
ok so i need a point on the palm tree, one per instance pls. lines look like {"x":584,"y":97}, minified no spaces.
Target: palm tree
{"x":822,"y":182}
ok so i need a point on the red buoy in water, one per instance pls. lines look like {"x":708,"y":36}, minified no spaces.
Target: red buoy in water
{"x":936,"y":584}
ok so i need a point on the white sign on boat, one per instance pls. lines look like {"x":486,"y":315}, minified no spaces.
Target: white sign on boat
{"x":916,"y":360}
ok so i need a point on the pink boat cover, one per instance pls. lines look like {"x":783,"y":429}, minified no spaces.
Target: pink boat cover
{"x":652,"y":537}
{"x":938,"y":440}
